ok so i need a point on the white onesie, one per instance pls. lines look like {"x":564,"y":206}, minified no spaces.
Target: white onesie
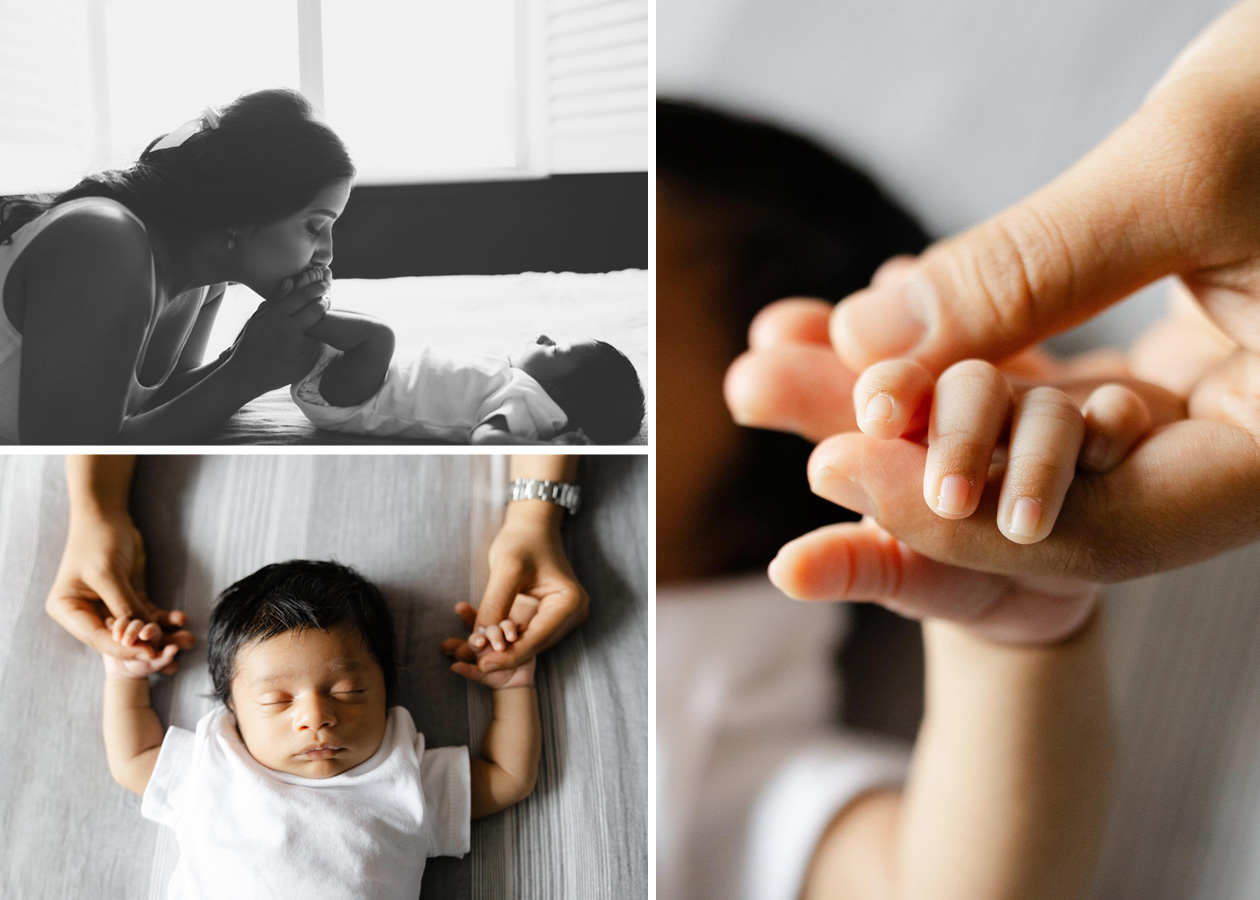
{"x":247,"y":831}
{"x":433,"y":395}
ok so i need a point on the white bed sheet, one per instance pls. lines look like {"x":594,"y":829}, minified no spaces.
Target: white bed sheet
{"x":462,"y":313}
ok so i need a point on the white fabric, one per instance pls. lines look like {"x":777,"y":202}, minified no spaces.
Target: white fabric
{"x":748,"y":694}
{"x":247,"y":831}
{"x":11,"y":340}
{"x":432,"y":394}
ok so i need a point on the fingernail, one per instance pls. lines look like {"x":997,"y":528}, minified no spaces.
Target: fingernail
{"x":878,"y":409}
{"x":883,"y":322}
{"x":1025,"y":517}
{"x":842,"y":489}
{"x":954,"y":494}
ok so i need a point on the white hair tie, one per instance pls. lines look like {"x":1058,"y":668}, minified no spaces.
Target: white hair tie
{"x":208,"y":120}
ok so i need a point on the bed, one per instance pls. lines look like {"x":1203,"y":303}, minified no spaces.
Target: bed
{"x":417,"y":525}
{"x":463,"y":313}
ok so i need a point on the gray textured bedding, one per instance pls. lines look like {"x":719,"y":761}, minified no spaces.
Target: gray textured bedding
{"x":460,"y":313}
{"x":417,"y":525}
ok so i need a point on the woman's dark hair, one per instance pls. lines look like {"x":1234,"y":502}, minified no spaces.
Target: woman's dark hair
{"x":268,"y":158}
{"x":603,"y":396}
{"x":293,"y":596}
{"x":796,"y":219}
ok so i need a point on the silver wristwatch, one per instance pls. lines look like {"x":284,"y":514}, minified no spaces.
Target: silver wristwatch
{"x":567,"y":496}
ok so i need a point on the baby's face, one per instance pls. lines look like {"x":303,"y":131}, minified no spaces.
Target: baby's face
{"x":547,"y":361}
{"x":311,"y":702}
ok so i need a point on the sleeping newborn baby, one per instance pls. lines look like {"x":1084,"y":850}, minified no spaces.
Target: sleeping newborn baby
{"x":544,"y":392}
{"x":305,"y":782}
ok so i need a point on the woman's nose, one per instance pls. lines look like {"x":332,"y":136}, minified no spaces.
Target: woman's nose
{"x":323,"y":254}
{"x":315,"y":713}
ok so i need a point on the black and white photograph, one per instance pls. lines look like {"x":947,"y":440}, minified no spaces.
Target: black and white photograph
{"x":318,"y":221}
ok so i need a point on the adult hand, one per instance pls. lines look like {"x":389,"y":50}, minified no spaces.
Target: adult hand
{"x":273,"y":350}
{"x":101,"y":577}
{"x":532,"y":586}
{"x":862,"y":561}
{"x":1171,"y":192}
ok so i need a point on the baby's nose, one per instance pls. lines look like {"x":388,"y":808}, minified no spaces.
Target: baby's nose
{"x":544,"y":340}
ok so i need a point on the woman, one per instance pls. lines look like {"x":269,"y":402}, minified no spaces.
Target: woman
{"x":110,"y":288}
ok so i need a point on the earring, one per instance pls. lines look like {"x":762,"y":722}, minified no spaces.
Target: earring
{"x":232,"y":240}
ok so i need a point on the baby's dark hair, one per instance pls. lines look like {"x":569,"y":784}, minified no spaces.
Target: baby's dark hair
{"x":602,"y":395}
{"x":292,"y":596}
{"x":790,"y":217}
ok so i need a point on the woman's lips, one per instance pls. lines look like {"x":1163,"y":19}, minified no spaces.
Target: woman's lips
{"x":320,"y":752}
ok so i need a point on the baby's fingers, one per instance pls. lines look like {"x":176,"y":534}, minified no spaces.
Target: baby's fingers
{"x":494,"y":634}
{"x":508,"y":627}
{"x":892,"y":398}
{"x":1046,"y":436}
{"x":1115,"y":419}
{"x":970,"y":409}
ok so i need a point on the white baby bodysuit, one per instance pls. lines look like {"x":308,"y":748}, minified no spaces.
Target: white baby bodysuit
{"x":247,"y":831}
{"x":432,"y":395}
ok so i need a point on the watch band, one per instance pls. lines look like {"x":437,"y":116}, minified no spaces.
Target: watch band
{"x":566,"y":496}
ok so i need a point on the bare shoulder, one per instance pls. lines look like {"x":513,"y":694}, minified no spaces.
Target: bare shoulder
{"x":92,"y":252}
{"x":99,"y":238}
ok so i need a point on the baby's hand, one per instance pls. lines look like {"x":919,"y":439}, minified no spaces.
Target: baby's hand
{"x":1049,"y":432}
{"x":129,"y":633}
{"x":495,"y":637}
{"x":500,"y":679}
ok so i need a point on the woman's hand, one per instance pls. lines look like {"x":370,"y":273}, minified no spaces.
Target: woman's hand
{"x":466,"y":657}
{"x":1170,"y":192}
{"x":101,"y":577}
{"x":532,"y":586}
{"x":273,"y":350}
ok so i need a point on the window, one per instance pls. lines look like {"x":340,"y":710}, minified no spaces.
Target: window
{"x":420,"y":90}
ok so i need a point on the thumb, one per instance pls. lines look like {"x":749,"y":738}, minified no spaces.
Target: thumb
{"x":1097,"y":233}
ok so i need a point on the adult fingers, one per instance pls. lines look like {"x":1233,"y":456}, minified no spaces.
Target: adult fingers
{"x":861,"y":561}
{"x":795,"y":320}
{"x":116,"y":592}
{"x":1131,"y":521}
{"x":1092,"y":236}
{"x":86,"y":626}
{"x":508,"y":576}
{"x":466,"y":614}
{"x":799,"y":388}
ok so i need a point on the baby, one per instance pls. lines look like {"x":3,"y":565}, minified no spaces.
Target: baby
{"x":305,"y":781}
{"x":534,"y":395}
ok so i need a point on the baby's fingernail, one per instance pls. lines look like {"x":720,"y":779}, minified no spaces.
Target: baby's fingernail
{"x":878,"y":409}
{"x":953,"y":496}
{"x":1025,"y":517}
{"x":882,"y":322}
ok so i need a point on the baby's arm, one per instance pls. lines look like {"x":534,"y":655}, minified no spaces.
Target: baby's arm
{"x":505,"y":773}
{"x":367,"y":346}
{"x":133,"y":733}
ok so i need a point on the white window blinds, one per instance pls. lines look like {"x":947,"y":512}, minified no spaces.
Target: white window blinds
{"x":598,"y":97}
